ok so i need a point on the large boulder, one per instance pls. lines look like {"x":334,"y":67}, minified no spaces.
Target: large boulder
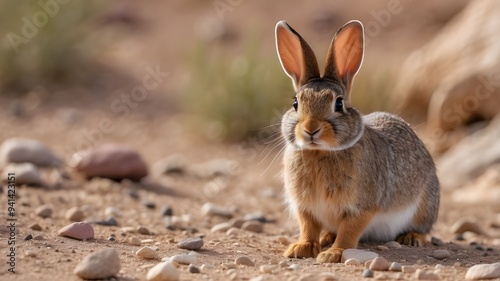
{"x":454,"y":79}
{"x":111,"y":161}
{"x":471,"y":157}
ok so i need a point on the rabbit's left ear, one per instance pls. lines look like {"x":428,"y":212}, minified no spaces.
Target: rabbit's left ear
{"x":345,"y":54}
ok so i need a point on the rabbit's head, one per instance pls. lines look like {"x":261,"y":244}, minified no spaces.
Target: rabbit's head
{"x":322,"y":117}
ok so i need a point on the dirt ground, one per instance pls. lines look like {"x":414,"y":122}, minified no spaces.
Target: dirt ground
{"x":157,"y":130}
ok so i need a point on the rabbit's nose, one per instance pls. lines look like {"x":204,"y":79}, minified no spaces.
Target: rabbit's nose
{"x":312,"y":133}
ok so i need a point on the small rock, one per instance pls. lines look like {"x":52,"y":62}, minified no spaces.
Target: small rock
{"x":108,"y":222}
{"x":221,"y":227}
{"x":210,"y":209}
{"x":99,"y":265}
{"x":379,"y":264}
{"x":183,"y":259}
{"x":421,"y":274}
{"x":77,"y":230}
{"x":28,"y":237}
{"x":167,"y":211}
{"x":135,"y":241}
{"x":193,"y":269}
{"x":367,"y":273}
{"x":267,"y":268}
{"x":283,"y":263}
{"x":395,"y":267}
{"x":362,"y":255}
{"x":31,"y":253}
{"x":112,"y":212}
{"x":149,"y":204}
{"x":294,"y":266}
{"x":255,"y":217}
{"x":44,"y":211}
{"x":147,"y":253}
{"x":441,"y":254}
{"x":353,"y":261}
{"x":457,"y":264}
{"x":483,"y":271}
{"x":164,"y":271}
{"x":171,"y":165}
{"x":393,"y":245}
{"x":26,"y":173}
{"x":143,"y":230}
{"x":382,"y":248}
{"x":112,"y":238}
{"x":111,"y":161}
{"x":38,"y":237}
{"x":191,"y":243}
{"x":439,"y":266}
{"x":233,"y":231}
{"x":35,"y":226}
{"x":20,"y":150}
{"x":464,"y":225}
{"x":237,"y":223}
{"x":436,"y":241}
{"x":253,"y":226}
{"x":283,"y":241}
{"x":74,"y":214}
{"x":244,"y":260}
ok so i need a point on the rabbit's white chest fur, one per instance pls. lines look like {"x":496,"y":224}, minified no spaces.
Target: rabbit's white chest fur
{"x":384,"y":226}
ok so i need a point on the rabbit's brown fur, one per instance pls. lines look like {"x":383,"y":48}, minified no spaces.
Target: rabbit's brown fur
{"x":348,"y":176}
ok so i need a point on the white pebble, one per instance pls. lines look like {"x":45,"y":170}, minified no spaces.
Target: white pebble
{"x":353,"y":261}
{"x":147,"y":253}
{"x":483,"y":271}
{"x":164,"y":271}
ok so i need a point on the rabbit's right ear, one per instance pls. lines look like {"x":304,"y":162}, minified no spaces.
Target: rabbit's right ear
{"x":296,"y":57}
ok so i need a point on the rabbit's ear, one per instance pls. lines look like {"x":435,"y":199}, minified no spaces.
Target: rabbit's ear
{"x":345,"y":54}
{"x":296,"y":57}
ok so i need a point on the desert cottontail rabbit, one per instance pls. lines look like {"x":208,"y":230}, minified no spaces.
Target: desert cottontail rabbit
{"x":348,"y":176}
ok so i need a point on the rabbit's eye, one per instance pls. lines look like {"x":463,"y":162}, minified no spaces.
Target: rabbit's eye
{"x":339,"y":105}
{"x":295,"y":103}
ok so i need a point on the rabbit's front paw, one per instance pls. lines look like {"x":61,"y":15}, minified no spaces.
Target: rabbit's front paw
{"x":303,"y":250}
{"x":331,"y":255}
{"x":412,"y":239}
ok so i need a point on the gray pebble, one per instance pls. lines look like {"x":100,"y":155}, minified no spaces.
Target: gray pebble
{"x":28,"y":237}
{"x":367,"y":273}
{"x":44,"y":211}
{"x":253,"y":226}
{"x":193,"y":269}
{"x":167,"y":211}
{"x":395,"y":267}
{"x":441,"y":254}
{"x":256,"y":217}
{"x":194,"y":243}
{"x":436,"y":241}
{"x":244,"y":260}
{"x":143,"y":230}
{"x":108,"y":222}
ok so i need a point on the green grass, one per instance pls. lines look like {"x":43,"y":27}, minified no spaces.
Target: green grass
{"x":61,"y":50}
{"x":235,"y":96}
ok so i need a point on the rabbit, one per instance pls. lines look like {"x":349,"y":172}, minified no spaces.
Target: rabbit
{"x":347,"y":176}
